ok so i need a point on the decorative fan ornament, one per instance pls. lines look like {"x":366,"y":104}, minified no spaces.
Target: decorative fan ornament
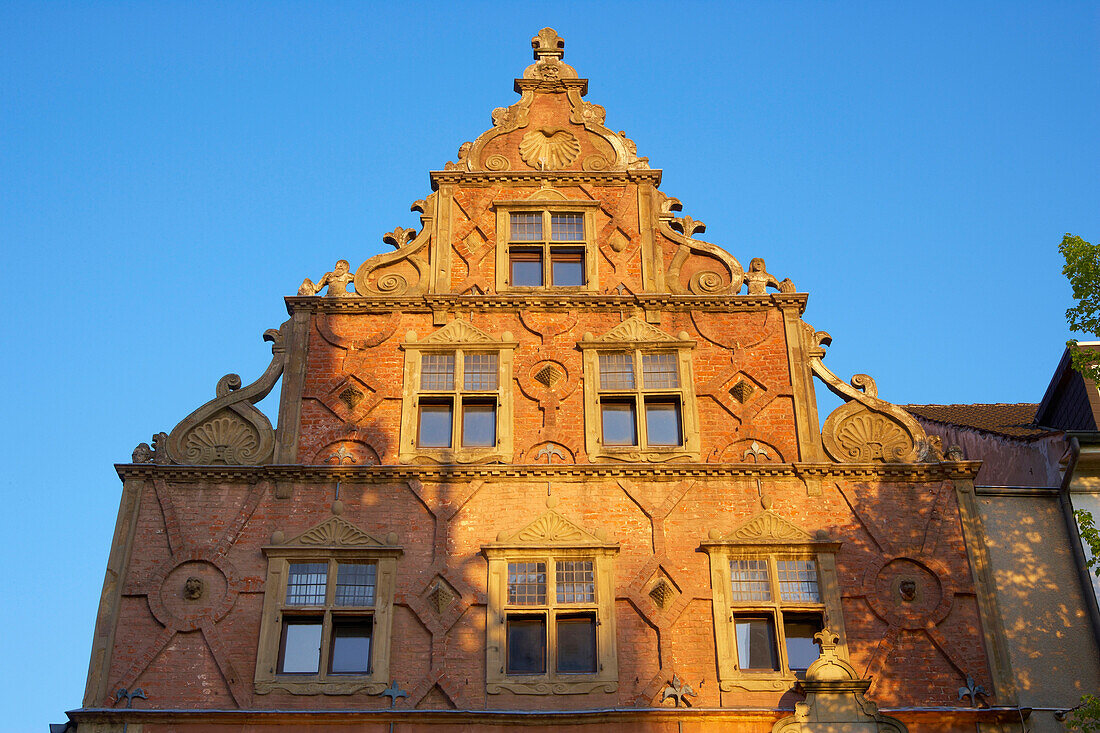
{"x":548,"y":149}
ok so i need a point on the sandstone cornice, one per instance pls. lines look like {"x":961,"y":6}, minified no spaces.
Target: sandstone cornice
{"x":554,"y":178}
{"x":504,"y":717}
{"x":355,"y":305}
{"x":901,"y":472}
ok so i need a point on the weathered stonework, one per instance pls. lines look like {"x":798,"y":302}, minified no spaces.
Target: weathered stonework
{"x":346,"y":475}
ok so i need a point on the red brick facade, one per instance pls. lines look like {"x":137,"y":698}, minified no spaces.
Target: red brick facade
{"x":872,"y":491}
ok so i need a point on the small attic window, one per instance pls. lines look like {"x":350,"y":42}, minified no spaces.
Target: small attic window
{"x":536,"y":260}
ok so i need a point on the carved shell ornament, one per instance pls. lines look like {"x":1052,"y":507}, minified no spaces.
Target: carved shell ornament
{"x":224,"y":439}
{"x":869,"y":437}
{"x":548,"y":149}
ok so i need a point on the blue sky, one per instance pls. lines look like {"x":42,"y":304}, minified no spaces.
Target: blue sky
{"x":168,"y":172}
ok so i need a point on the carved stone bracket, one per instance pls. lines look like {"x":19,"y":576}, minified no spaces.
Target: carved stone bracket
{"x":682,"y":231}
{"x":388,"y":274}
{"x":229,"y":429}
{"x":866,"y":428}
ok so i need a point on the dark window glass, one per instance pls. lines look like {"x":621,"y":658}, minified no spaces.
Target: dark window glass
{"x":351,"y":642}
{"x":437,"y":371}
{"x":479,"y":372}
{"x":616,"y":371}
{"x":526,"y":583}
{"x":575,"y":581}
{"x":567,"y":267}
{"x":660,"y":371}
{"x":434,"y":430}
{"x":756,"y":643}
{"x":479,"y":424}
{"x":526,"y":266}
{"x":577,"y":643}
{"x":526,"y":227}
{"x":619,"y":424}
{"x":526,"y":645}
{"x":355,"y":582}
{"x":662,"y":422}
{"x":799,"y":630}
{"x":300,"y":647}
{"x":567,"y":227}
{"x":305,"y":583}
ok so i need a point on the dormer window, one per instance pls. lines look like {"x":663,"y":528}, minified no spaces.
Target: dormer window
{"x":546,"y":244}
{"x":546,"y":249}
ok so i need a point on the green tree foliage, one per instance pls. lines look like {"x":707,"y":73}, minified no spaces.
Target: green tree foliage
{"x":1083,"y":272}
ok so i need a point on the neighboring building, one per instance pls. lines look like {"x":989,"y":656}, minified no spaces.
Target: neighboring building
{"x":1040,"y":462}
{"x":553,"y":462}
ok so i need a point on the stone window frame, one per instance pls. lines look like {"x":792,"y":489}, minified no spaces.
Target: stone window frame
{"x":636,"y":337}
{"x":335,"y":540}
{"x":768,"y":536}
{"x":550,"y":538}
{"x":553,"y":203}
{"x":458,"y":337}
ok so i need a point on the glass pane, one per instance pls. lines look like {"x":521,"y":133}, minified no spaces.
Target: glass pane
{"x":305,"y":583}
{"x":798,"y":581}
{"x":577,"y":643}
{"x":799,"y":630}
{"x":526,"y":268}
{"x":301,"y":649}
{"x":660,"y":371}
{"x":435,"y":425}
{"x":662,"y":422}
{"x":527,"y":583}
{"x":355,"y":583}
{"x":756,"y":643}
{"x":479,"y":424}
{"x":567,"y":227}
{"x":351,"y":646}
{"x":575,"y":581}
{"x":437,"y":371}
{"x":526,"y":645}
{"x":479,"y":372}
{"x":616,"y":371}
{"x":749,"y":580}
{"x":567,"y":268}
{"x":619,"y":426}
{"x":526,"y":227}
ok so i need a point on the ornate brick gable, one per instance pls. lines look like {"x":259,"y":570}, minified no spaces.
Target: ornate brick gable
{"x":450,"y":407}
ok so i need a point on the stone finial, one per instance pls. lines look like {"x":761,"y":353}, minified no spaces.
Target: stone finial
{"x":548,"y":44}
{"x":142,"y":454}
{"x":549,"y":49}
{"x":679,"y":692}
{"x":829,"y":667}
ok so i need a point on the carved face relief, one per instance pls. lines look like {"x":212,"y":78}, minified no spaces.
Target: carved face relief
{"x":907,"y":589}
{"x":193,"y":588}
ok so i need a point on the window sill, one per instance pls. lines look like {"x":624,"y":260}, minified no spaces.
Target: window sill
{"x":759,"y":682}
{"x":653,"y":455}
{"x":551,"y":685}
{"x":450,"y":455}
{"x":344,"y":685}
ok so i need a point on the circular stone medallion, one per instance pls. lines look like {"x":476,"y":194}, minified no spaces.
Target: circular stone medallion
{"x":907,"y":593}
{"x":194,"y":591}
